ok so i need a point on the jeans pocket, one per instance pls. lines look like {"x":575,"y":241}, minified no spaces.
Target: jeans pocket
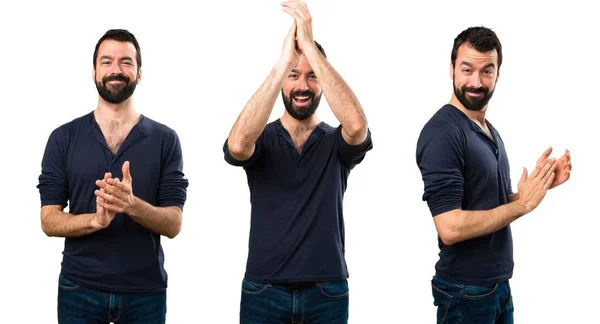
{"x":442,"y":300}
{"x":253,"y":288}
{"x":334,"y":289}
{"x":479,"y":292}
{"x":66,"y":283}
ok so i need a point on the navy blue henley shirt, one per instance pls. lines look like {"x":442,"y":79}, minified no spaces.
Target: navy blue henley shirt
{"x":297,"y":225}
{"x":463,"y":168}
{"x":125,"y":256}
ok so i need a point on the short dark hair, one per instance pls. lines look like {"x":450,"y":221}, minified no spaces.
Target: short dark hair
{"x":120,"y":35}
{"x":319,"y":47}
{"x":482,"y":39}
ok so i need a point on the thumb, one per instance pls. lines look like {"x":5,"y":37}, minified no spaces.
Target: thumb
{"x":126,"y":173}
{"x":524,"y":175}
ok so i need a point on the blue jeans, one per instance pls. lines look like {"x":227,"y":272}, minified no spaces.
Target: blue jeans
{"x":464,"y":304}
{"x":306,"y":303}
{"x":79,"y":305}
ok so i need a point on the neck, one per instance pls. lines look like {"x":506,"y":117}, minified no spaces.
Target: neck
{"x":290,"y":123}
{"x":476,"y":116}
{"x":122,"y":112}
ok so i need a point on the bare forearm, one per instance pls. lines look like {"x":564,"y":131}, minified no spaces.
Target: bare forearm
{"x":461,"y":225}
{"x":253,"y":119}
{"x":341,"y":98}
{"x":60,"y":224}
{"x":161,"y":220}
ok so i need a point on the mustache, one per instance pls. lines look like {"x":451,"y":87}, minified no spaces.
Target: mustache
{"x":483,"y":90}
{"x":115,"y":77}
{"x":302,"y":93}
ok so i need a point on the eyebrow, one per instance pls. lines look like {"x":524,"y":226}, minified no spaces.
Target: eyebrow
{"x":471,"y":65}
{"x":109,"y":57}
{"x":298,"y":71}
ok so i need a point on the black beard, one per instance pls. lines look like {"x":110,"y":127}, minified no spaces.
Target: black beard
{"x":119,"y":92}
{"x":302,"y":113}
{"x":474,"y":104}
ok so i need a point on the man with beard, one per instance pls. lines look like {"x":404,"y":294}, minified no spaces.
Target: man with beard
{"x":297,"y":169}
{"x":121,"y":173}
{"x":467,"y":187}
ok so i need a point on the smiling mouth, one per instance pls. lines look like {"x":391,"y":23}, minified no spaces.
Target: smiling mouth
{"x":302,"y":100}
{"x":475,"y":94}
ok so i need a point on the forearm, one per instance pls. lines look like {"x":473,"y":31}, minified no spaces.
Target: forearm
{"x":342,"y":100}
{"x":253,"y":119}
{"x":60,"y":224}
{"x":161,"y":220}
{"x":461,"y":225}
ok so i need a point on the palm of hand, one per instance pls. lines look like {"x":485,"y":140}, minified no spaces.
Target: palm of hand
{"x":563,"y":170}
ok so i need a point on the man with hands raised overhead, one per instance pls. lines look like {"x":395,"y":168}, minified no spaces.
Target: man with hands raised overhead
{"x":112,"y":268}
{"x":297,"y":168}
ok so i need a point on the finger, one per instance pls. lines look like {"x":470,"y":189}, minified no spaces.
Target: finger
{"x":111,"y":199}
{"x":107,"y":175}
{"x":110,"y":207}
{"x":523,"y":176}
{"x":549,"y":170}
{"x":102,"y":184}
{"x":124,"y":187}
{"x":541,"y":172}
{"x":107,"y":187}
{"x":126,"y":172}
{"x":296,"y":9}
{"x":549,"y":181}
{"x":106,"y":197}
{"x":544,"y":156}
{"x":291,"y":36}
{"x":303,"y":9}
{"x":293,"y":14}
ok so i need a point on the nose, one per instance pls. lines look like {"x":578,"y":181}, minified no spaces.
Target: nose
{"x":475,"y":81}
{"x":302,"y":84}
{"x":115,"y":69}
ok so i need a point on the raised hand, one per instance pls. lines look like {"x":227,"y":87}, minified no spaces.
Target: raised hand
{"x":289,"y":56}
{"x":103,"y":217}
{"x":303,"y":20}
{"x":117,"y":195}
{"x":533,"y":187}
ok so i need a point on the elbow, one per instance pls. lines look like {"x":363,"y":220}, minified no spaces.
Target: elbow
{"x":448,"y":228}
{"x":358,"y":129}
{"x":239,"y":151}
{"x":45,"y":227}
{"x":176,"y":229}
{"x":46,"y":230}
{"x":448,"y":236}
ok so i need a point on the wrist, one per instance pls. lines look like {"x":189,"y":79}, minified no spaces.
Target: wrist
{"x":520,"y":208}
{"x":310,"y":49}
{"x":133,"y":210}
{"x":282,"y":67}
{"x":93,"y":223}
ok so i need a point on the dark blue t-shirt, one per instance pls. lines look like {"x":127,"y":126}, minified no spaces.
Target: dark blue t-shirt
{"x":125,"y":256}
{"x":297,"y":224}
{"x":463,"y":168}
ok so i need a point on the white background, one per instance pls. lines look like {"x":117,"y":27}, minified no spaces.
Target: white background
{"x":202,"y":63}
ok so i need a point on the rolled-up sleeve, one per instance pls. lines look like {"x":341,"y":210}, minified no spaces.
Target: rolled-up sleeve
{"x":441,"y":161}
{"x":172,"y":190}
{"x":53,"y":184}
{"x":248,"y":162}
{"x":352,"y":155}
